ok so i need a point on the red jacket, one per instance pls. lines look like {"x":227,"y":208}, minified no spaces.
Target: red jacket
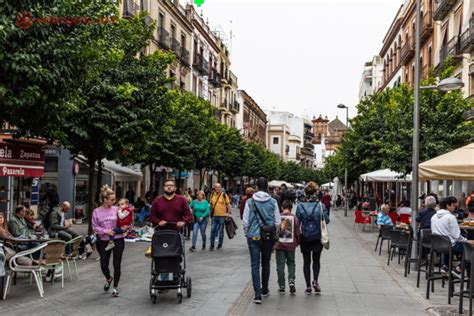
{"x":127,"y":220}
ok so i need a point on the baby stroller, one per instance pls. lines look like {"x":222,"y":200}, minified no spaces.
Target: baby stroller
{"x":167,"y":251}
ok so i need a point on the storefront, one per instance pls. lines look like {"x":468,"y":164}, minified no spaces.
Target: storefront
{"x":21,"y":167}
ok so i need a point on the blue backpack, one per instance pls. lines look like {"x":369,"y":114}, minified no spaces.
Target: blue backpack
{"x":310,"y":228}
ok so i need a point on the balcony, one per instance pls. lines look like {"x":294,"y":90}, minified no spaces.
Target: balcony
{"x":215,"y":78}
{"x":443,"y":8}
{"x":466,"y":40}
{"x":176,"y":47}
{"x":235,"y":108}
{"x":198,"y":62}
{"x":306,"y":151}
{"x":185,"y":56}
{"x":205,"y":68}
{"x":164,"y":39}
{"x":408,"y":51}
{"x":426,"y":26}
{"x":223,"y":105}
{"x":309,"y":135}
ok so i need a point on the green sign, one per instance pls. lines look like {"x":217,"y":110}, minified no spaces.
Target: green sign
{"x":198,"y":2}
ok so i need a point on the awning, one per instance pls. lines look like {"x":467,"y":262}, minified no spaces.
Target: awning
{"x":455,"y":165}
{"x":276,"y":183}
{"x":121,"y":173}
{"x":176,"y":174}
{"x":21,"y":160}
{"x":385,"y":175}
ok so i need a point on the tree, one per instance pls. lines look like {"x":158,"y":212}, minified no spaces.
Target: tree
{"x":43,"y":66}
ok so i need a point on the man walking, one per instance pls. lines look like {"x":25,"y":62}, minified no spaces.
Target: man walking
{"x":260,"y":210}
{"x":220,"y":208}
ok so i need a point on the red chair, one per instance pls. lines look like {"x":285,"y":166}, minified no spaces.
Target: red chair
{"x":393,"y":216}
{"x":405,"y":218}
{"x":361,"y":219}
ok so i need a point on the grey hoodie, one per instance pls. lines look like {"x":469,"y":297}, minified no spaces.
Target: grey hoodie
{"x":445,"y":224}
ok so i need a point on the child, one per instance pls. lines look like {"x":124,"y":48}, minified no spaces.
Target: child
{"x":124,"y":221}
{"x":285,"y":248}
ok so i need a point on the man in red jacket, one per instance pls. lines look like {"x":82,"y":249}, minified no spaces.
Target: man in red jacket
{"x":326,"y":200}
{"x":170,"y":208}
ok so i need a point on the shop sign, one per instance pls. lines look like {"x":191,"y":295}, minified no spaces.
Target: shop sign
{"x":21,"y":161}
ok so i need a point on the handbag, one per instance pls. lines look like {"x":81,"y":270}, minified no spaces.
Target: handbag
{"x":324,"y":229}
{"x":267,"y":232}
{"x":230,"y":227}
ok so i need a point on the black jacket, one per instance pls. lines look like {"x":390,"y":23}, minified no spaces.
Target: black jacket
{"x":424,"y":217}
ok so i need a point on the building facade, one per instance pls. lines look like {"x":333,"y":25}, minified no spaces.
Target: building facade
{"x":372,"y":77}
{"x":279,"y":140}
{"x":327,"y":137}
{"x":254,"y":120}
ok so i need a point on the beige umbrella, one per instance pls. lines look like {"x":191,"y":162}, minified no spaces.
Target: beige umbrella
{"x":455,"y":165}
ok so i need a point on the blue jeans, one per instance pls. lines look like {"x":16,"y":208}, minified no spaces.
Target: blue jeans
{"x":457,"y":248}
{"x":200,"y":226}
{"x":217,"y":229}
{"x":260,"y":254}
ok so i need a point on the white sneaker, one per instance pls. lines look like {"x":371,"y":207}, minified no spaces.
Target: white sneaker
{"x":110,"y":246}
{"x":58,"y":271}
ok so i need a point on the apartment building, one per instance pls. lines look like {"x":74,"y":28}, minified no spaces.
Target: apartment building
{"x":372,"y":78}
{"x":254,"y":120}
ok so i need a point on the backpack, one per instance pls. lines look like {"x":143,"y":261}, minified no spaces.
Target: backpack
{"x":310,"y":227}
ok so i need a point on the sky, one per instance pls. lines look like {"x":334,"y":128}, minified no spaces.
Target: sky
{"x":302,"y":56}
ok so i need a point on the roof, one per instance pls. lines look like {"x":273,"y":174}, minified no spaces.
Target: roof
{"x":336,"y":125}
{"x":122,"y":173}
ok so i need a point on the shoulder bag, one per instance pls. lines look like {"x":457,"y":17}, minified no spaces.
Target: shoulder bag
{"x":324,"y":229}
{"x":217,"y":201}
{"x":267,"y":232}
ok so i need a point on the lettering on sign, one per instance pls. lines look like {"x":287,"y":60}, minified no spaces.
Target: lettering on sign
{"x":29,"y":155}
{"x":6,"y":153}
{"x":13,"y":172}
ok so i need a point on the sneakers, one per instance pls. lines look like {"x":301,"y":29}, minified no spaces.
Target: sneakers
{"x":192,"y":249}
{"x":308,"y":291}
{"x":110,"y":246}
{"x":203,"y":247}
{"x":444,"y":270}
{"x":211,"y":248}
{"x":457,"y":271}
{"x":257,"y":300}
{"x":115,"y":292}
{"x":265,"y":292}
{"x":107,"y":284}
{"x":219,"y":247}
{"x":49,"y":278}
{"x":281,"y":291}
{"x":292,"y":288}
{"x":316,"y":287}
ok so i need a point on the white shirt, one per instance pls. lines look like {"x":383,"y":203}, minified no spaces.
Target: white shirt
{"x":404,"y":210}
{"x":445,"y":224}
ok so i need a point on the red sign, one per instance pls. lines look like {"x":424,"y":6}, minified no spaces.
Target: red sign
{"x":21,"y":161}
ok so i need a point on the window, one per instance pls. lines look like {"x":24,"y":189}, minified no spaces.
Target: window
{"x":173,"y":31}
{"x":183,"y":40}
{"x":275,"y":140}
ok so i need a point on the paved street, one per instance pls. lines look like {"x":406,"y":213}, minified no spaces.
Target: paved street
{"x":354,"y":280}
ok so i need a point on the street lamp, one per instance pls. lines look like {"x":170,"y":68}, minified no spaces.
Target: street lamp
{"x":342,"y":106}
{"x":447,"y":84}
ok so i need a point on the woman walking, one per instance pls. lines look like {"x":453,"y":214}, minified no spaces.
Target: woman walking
{"x":104,"y":220}
{"x":309,"y":215}
{"x":201,"y":209}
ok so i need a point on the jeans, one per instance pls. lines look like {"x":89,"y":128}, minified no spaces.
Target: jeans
{"x":285,"y":257}
{"x":105,"y":258}
{"x":200,"y":226}
{"x":217,"y":229}
{"x":260,"y":254}
{"x":457,"y":249}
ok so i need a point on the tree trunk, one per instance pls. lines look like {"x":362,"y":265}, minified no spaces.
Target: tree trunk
{"x":202,"y":172}
{"x":90,"y":193}
{"x":99,"y":181}
{"x":179,"y":182}
{"x":152,"y":178}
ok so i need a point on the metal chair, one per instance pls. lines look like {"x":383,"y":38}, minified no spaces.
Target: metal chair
{"x":53,"y":257}
{"x":74,"y":244}
{"x":439,"y":245}
{"x":34,"y":270}
{"x":468,"y":255}
{"x":383,"y":235}
{"x":423,"y":243}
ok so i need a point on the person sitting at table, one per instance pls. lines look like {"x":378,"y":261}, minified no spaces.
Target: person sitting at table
{"x":30,"y":220}
{"x":405,"y":208}
{"x":382,"y":217}
{"x":9,"y":251}
{"x":17,"y":224}
{"x":424,"y":217}
{"x":444,"y":223}
{"x":58,"y":225}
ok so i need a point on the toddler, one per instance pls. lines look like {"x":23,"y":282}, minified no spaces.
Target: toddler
{"x":124,"y":221}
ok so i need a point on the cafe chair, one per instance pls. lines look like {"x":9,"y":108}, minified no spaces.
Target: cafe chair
{"x":74,"y":245}
{"x":394,"y":217}
{"x":398,"y":240}
{"x":440,"y":245}
{"x":53,"y":257}
{"x":468,"y":255}
{"x":424,"y":245}
{"x":384,"y":235}
{"x":34,"y":270}
{"x":405,"y":218}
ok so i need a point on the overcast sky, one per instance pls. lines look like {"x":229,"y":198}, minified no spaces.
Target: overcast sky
{"x":302,"y":56}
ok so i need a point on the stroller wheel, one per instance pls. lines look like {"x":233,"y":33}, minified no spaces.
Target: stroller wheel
{"x":152,"y":281}
{"x":153,"y":298}
{"x":180,"y":298}
{"x":188,"y":287}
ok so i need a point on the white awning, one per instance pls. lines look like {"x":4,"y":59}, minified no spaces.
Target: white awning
{"x":385,"y":175}
{"x":121,"y":173}
{"x":276,"y":183}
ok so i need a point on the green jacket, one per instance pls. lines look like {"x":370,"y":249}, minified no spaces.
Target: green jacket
{"x":17,"y":227}
{"x":55,"y":221}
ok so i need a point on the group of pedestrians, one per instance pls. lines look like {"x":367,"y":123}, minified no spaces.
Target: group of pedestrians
{"x":262,"y":222}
